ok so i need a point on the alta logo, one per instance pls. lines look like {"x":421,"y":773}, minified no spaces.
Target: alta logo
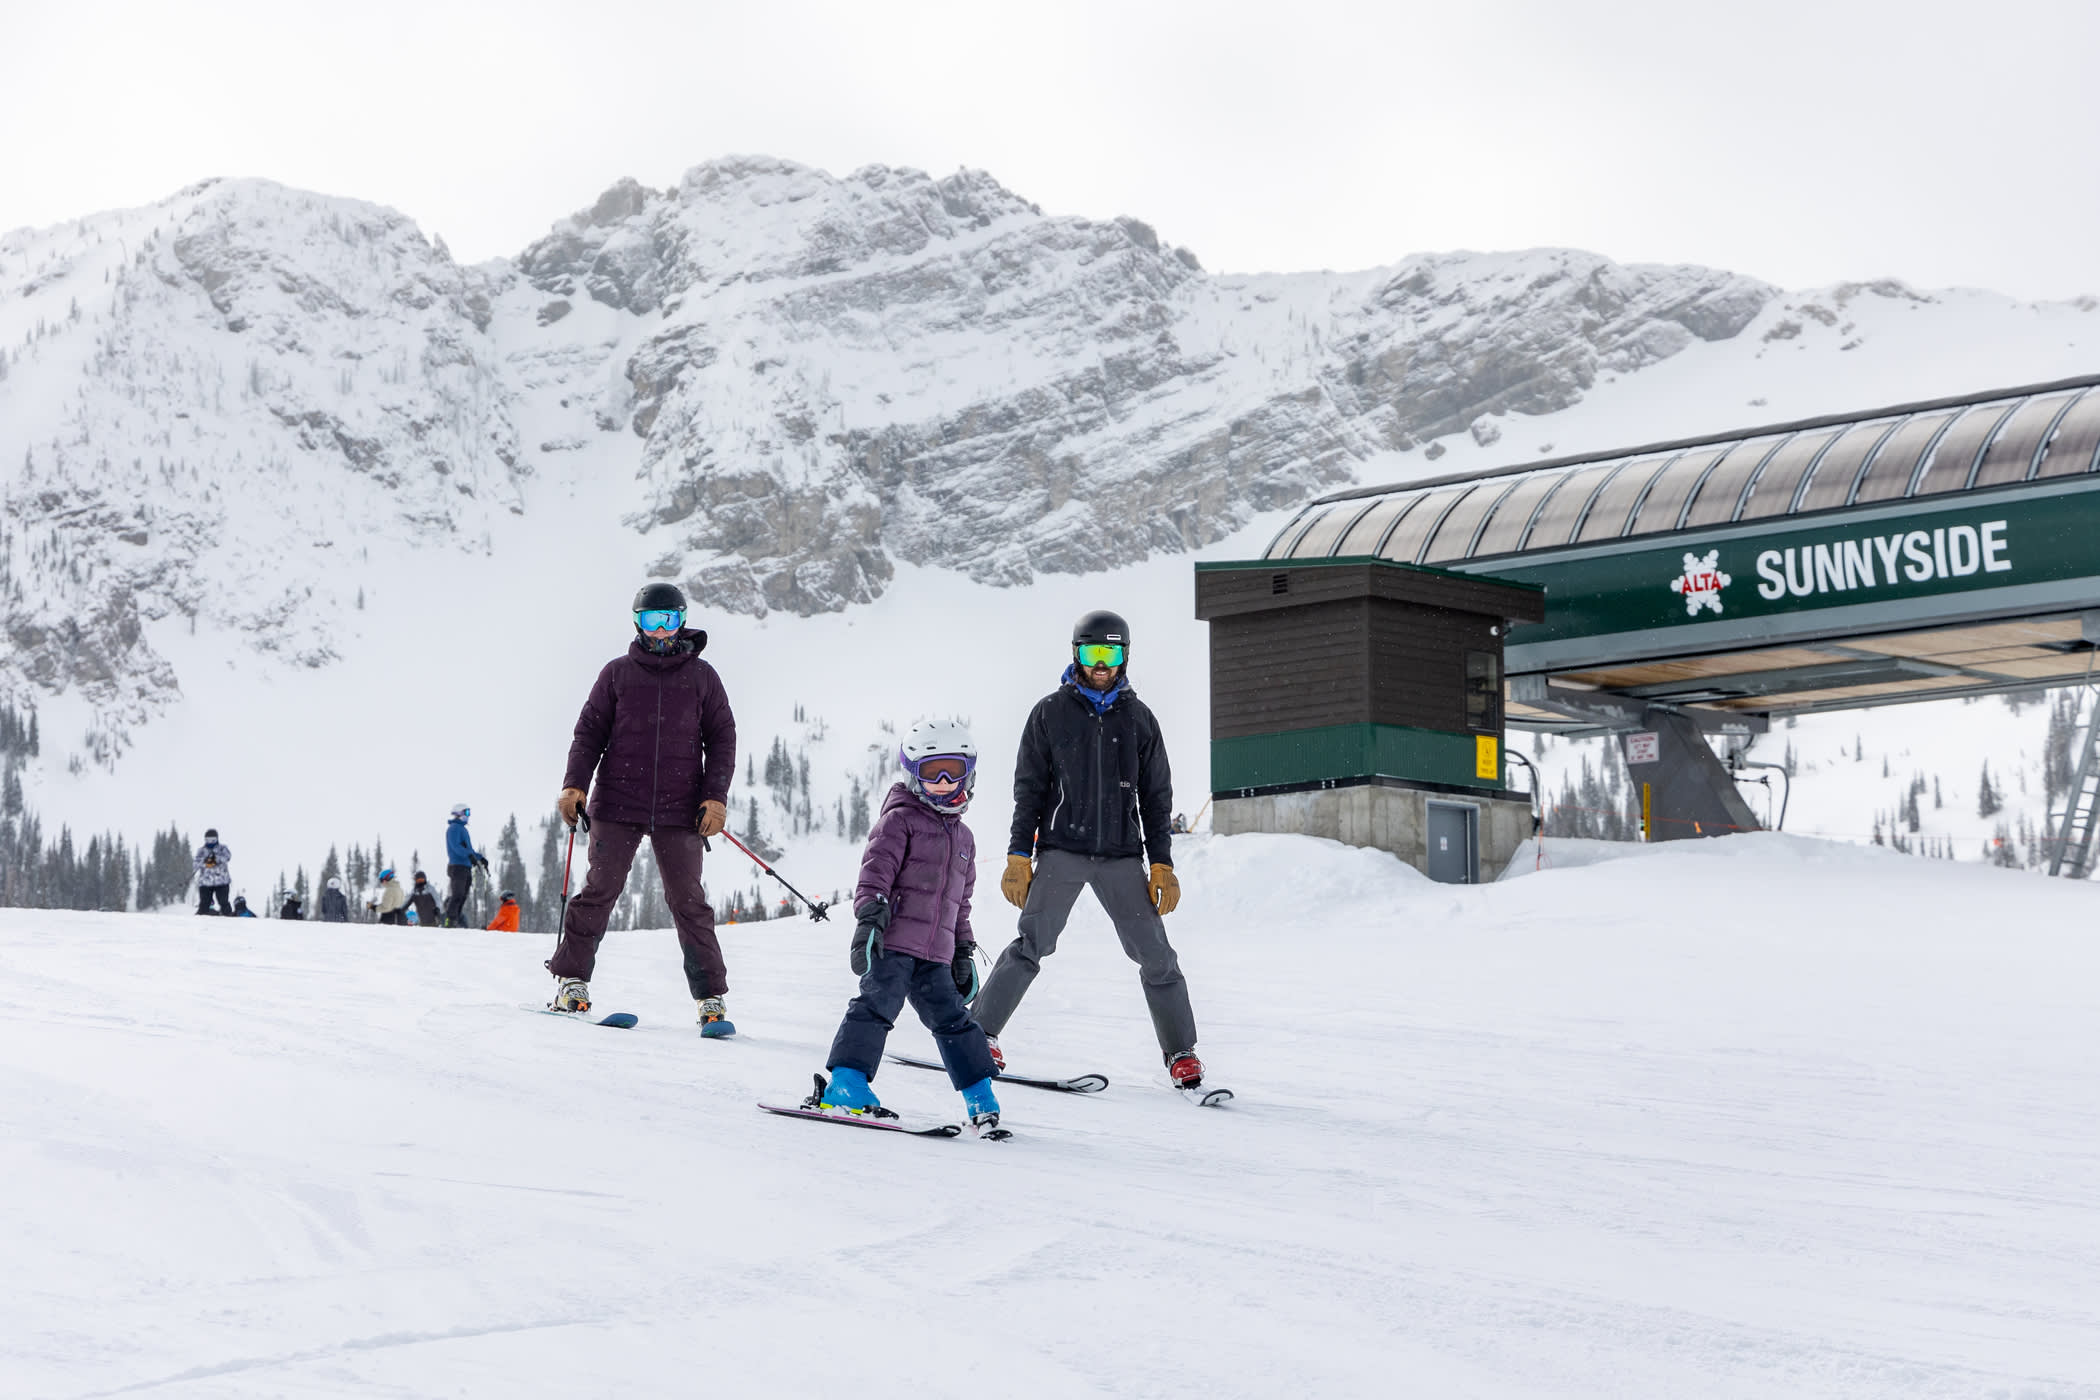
{"x":1701,"y":582}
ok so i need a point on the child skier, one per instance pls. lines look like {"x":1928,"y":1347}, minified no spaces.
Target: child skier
{"x":507,"y":913}
{"x":913,"y":940}
{"x":392,"y":899}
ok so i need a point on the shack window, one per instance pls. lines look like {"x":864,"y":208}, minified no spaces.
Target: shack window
{"x":1484,"y":691}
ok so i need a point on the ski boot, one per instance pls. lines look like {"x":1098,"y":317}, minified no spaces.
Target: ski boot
{"x":573,"y":994}
{"x":714,"y":1021}
{"x":983,"y":1109}
{"x":991,"y":1043}
{"x":1185,"y":1070}
{"x":847,"y":1092}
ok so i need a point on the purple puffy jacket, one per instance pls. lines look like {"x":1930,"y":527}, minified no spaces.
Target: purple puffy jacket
{"x":925,"y":864}
{"x":658,"y":732}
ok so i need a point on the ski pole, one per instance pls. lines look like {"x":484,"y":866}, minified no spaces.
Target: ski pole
{"x":584,"y":821}
{"x":816,"y":907}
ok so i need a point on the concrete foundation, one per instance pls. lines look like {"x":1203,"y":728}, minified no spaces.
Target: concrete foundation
{"x":1385,"y":815}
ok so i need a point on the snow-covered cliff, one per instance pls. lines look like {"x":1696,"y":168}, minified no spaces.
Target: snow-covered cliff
{"x":232,"y":411}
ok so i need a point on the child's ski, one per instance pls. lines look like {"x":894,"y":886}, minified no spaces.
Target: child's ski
{"x":1083,"y":1084}
{"x":1205,"y":1095}
{"x":862,"y":1120}
{"x":618,"y":1020}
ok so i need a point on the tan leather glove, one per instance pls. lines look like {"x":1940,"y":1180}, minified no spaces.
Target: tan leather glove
{"x":1014,"y":883}
{"x":569,"y":804}
{"x":1165,"y":888}
{"x":713,"y":817}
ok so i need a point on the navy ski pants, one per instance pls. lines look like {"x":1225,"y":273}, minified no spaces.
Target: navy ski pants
{"x":893,"y":979}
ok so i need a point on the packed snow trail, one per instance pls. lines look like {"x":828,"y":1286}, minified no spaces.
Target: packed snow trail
{"x":1758,"y":1117}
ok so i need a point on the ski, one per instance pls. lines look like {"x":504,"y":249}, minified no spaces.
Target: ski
{"x":618,"y":1020}
{"x":860,"y":1120}
{"x":1082,"y":1084}
{"x":1205,"y":1095}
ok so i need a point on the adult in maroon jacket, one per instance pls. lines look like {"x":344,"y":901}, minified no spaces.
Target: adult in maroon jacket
{"x":659,"y":736}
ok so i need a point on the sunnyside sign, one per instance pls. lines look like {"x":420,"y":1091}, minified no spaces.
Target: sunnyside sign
{"x":1887,"y":564}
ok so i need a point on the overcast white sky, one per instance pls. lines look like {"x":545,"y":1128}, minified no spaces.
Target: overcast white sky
{"x":1948,"y":144}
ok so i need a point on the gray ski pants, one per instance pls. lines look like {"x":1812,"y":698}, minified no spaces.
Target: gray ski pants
{"x":1120,"y":886}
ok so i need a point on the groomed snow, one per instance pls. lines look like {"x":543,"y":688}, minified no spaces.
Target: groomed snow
{"x":1758,"y":1117}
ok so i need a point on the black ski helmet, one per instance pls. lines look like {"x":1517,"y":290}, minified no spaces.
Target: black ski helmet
{"x":659,"y":595}
{"x":211,"y":833}
{"x":1102,"y":628}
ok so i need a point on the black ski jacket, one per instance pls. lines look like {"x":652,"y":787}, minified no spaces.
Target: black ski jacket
{"x":1096,"y":784}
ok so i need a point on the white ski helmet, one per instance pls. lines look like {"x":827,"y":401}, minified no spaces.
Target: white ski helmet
{"x":460,"y":811}
{"x":334,"y":883}
{"x":933,"y":739}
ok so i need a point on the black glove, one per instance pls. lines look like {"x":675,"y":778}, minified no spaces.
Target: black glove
{"x":872,"y":917}
{"x":964,"y":970}
{"x":482,"y":861}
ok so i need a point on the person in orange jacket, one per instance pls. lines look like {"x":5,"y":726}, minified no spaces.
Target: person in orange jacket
{"x":506,"y":914}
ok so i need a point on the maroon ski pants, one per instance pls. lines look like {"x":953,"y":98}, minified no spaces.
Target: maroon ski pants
{"x":678,"y":856}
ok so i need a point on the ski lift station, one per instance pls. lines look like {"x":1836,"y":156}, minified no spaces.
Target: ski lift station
{"x":1363,"y":670}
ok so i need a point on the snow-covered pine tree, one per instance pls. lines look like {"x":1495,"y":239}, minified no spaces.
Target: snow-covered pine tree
{"x":510,"y":868}
{"x":1988,"y":802}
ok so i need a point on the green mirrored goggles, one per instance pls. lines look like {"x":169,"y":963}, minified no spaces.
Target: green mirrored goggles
{"x":1093,"y":654}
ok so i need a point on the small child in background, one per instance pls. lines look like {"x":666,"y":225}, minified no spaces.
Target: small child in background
{"x":506,"y":919}
{"x":912,"y":940}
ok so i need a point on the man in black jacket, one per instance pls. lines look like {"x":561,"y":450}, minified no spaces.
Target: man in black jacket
{"x":1092,"y":796}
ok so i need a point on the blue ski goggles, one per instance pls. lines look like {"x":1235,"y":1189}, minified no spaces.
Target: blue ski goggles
{"x":660,"y":619}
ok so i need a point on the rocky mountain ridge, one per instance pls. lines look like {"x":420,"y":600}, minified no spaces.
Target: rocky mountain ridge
{"x":779,"y":382}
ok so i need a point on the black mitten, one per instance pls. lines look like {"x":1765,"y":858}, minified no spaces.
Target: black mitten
{"x":964,"y":970}
{"x":871,"y":918}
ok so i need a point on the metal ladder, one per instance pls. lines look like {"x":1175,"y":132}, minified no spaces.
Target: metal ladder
{"x":2071,"y":848}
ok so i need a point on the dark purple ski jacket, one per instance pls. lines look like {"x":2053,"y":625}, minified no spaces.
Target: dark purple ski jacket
{"x":926,"y":864}
{"x":658,"y":732}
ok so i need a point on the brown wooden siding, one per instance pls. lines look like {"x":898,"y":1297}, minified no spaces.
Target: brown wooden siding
{"x":1296,"y":668}
{"x":1418,"y":664}
{"x":1233,"y":592}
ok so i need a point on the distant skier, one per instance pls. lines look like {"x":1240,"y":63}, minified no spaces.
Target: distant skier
{"x":392,"y":900}
{"x":912,"y":941}
{"x":658,"y":732}
{"x":241,"y":909}
{"x":423,"y":899}
{"x":214,"y":875}
{"x":294,"y":907}
{"x":506,"y":920}
{"x":461,"y":858}
{"x":1092,"y":793}
{"x":335,"y":905}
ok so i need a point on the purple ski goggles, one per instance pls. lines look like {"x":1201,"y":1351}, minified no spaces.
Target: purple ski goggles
{"x":942,"y":767}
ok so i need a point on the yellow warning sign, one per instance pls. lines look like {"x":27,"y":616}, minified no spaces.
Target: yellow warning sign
{"x":1487,"y":760}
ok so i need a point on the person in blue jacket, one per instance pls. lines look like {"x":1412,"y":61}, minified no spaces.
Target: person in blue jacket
{"x":460,"y":860}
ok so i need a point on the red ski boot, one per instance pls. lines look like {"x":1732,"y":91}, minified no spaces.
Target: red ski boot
{"x":1185,"y":1070}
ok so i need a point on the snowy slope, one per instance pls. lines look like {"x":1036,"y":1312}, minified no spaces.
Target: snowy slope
{"x":1755,"y":1118}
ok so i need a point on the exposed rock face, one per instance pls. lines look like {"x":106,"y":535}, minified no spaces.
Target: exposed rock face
{"x":246,"y":379}
{"x":890,"y":366}
{"x":782,"y":381}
